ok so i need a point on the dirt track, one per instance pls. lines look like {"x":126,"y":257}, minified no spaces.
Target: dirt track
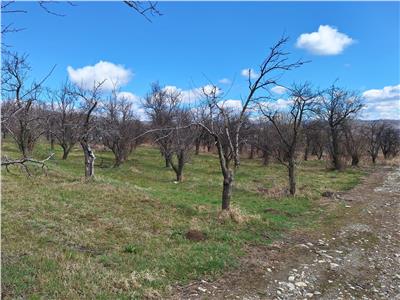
{"x":356,"y":257}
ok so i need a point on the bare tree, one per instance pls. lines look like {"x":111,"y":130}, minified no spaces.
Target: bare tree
{"x":315,"y":138}
{"x":225,"y":124}
{"x":354,"y":141}
{"x":288,"y":126}
{"x":183,"y":137}
{"x":22,"y":119}
{"x":64,"y":118}
{"x":89,"y":101}
{"x":337,"y":105}
{"x":161,"y":106}
{"x":264,"y":140}
{"x":390,"y":141}
{"x":120,"y":127}
{"x":373,"y":132}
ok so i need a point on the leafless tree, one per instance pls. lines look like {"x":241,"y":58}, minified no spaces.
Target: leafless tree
{"x":288,"y":125}
{"x":225,"y":124}
{"x":373,"y":132}
{"x":120,"y":127}
{"x":315,"y":139}
{"x":263,"y":139}
{"x":336,"y":106}
{"x":64,"y":118}
{"x":354,"y":141}
{"x":390,"y":141}
{"x":161,"y":106}
{"x":183,"y":137}
{"x":22,"y":118}
{"x":89,"y":102}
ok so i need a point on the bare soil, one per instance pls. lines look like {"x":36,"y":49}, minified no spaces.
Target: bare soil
{"x":353,"y":255}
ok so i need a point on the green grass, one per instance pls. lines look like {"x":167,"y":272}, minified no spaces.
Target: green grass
{"x":122,"y":235}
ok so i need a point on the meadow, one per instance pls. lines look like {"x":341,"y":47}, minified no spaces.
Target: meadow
{"x":122,"y":235}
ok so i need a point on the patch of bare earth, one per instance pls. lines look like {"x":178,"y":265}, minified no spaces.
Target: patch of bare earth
{"x":354,"y":256}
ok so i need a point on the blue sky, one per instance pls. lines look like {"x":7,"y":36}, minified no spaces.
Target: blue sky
{"x":193,"y":42}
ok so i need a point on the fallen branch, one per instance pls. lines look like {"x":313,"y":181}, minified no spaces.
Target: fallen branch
{"x":5,"y":161}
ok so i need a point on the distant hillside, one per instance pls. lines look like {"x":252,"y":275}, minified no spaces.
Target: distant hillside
{"x":393,"y":123}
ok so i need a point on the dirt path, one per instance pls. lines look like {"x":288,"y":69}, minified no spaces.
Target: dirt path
{"x":356,"y":257}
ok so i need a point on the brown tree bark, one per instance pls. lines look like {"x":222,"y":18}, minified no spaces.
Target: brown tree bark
{"x":292,"y":178}
{"x":66,"y":151}
{"x":335,"y":150}
{"x":227,"y":190}
{"x":89,"y":159}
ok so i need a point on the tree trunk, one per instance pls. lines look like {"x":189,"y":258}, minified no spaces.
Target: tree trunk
{"x":306,"y":151}
{"x":373,"y":159}
{"x":167,"y":161}
{"x":292,"y":178}
{"x":66,"y":151}
{"x":335,"y":151}
{"x":227,"y":191}
{"x":52,"y":141}
{"x":178,"y":169}
{"x":197,"y":151}
{"x":354,"y":160}
{"x":118,"y":161}
{"x":181,"y":163}
{"x":320,"y":153}
{"x":385,"y":154}
{"x":89,"y":159}
{"x":265,"y":158}
{"x":252,"y":150}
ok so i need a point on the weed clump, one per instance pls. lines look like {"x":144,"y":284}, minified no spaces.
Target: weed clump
{"x":236,"y":215}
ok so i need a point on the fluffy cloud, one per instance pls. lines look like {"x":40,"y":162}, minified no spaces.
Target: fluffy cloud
{"x":388,"y":93}
{"x":382,"y":103}
{"x":193,"y":95}
{"x":231,"y":104}
{"x":279,"y":90}
{"x":136,"y":104}
{"x":128,"y":96}
{"x":87,"y":76}
{"x":225,"y":81}
{"x":278,"y":105}
{"x":326,"y":41}
{"x":246,"y":72}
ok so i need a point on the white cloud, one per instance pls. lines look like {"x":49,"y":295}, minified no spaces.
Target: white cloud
{"x":278,"y":105}
{"x":279,"y":90}
{"x":187,"y":96}
{"x":231,"y":104}
{"x":87,"y":76}
{"x":246,"y":72}
{"x":225,"y":81}
{"x":128,"y":96}
{"x":382,"y":103}
{"x":326,"y":41}
{"x":385,"y":94}
{"x":192,"y":95}
{"x":137,"y":108}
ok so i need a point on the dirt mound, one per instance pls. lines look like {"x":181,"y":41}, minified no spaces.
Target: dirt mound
{"x":195,"y":235}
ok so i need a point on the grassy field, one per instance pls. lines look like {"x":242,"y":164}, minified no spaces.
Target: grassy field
{"x":123,"y":235}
